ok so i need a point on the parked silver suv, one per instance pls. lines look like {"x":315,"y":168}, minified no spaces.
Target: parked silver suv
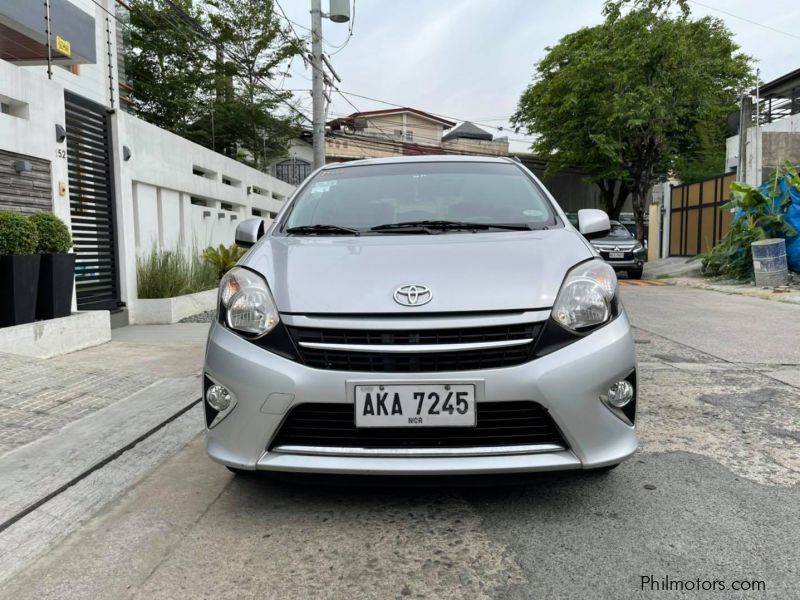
{"x":426,"y":315}
{"x":621,"y":250}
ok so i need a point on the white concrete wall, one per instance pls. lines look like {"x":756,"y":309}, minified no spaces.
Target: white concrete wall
{"x":38,"y":106}
{"x":754,"y":146}
{"x":93,"y":81}
{"x":155,"y":189}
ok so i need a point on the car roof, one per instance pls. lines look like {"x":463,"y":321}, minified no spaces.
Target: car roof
{"x":427,"y":158}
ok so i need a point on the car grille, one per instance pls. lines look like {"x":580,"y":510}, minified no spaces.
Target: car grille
{"x":498,"y":424}
{"x":342,"y":359}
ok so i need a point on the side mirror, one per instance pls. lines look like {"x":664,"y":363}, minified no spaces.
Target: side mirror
{"x":249,"y":231}
{"x":593,"y":222}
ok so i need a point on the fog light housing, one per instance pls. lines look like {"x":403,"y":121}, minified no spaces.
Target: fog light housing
{"x":218,"y":397}
{"x":620,"y":394}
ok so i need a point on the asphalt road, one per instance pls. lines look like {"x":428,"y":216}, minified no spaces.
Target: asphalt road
{"x":712,"y":495}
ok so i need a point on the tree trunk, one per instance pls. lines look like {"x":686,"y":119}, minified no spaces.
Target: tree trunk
{"x":614,"y":194}
{"x":638,"y":211}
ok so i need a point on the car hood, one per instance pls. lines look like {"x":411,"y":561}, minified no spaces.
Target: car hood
{"x":464,"y":271}
{"x":615,"y":241}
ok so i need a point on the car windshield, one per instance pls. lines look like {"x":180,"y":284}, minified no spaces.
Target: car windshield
{"x":619,"y":231}
{"x":418,"y":196}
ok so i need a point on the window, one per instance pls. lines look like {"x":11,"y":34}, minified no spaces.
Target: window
{"x":473,"y":192}
{"x":409,"y":136}
{"x":198,"y":201}
{"x":256,"y":212}
{"x":226,"y":206}
{"x":619,"y":231}
{"x":398,"y":133}
{"x":293,"y":171}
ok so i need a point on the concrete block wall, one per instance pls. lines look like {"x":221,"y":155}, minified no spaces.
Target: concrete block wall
{"x":175,"y":194}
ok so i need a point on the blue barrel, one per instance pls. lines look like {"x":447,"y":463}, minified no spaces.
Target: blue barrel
{"x":769,"y":262}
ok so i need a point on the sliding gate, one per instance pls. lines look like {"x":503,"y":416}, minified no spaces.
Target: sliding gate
{"x":91,"y":201}
{"x":696,"y":221}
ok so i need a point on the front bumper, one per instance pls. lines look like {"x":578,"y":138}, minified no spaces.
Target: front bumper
{"x":567,"y":382}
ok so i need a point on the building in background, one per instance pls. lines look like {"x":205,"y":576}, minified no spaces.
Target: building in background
{"x":382,"y":133}
{"x":768,"y":127}
{"x":468,"y":138}
{"x":123,"y":185}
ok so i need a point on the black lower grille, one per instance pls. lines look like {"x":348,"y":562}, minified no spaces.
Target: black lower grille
{"x":411,"y":362}
{"x":498,"y":424}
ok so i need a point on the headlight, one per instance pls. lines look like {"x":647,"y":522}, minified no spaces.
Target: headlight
{"x":246,"y":302}
{"x":586,"y":296}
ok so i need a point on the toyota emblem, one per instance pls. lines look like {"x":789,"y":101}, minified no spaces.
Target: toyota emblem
{"x":413,"y":295}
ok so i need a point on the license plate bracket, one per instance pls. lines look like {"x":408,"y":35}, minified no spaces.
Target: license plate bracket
{"x":616,"y":255}
{"x":414,"y":404}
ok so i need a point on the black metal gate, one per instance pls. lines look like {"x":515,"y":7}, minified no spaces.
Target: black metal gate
{"x":91,"y":201}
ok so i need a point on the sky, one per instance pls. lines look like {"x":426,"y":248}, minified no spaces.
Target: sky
{"x":471,"y":59}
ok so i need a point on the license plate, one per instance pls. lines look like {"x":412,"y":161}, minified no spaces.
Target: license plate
{"x":412,"y":405}
{"x":616,"y":255}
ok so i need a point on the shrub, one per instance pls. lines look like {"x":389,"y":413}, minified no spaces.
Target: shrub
{"x":54,"y":237}
{"x":760,"y":214}
{"x":169,"y":273}
{"x":18,"y":234}
{"x":222,"y":258}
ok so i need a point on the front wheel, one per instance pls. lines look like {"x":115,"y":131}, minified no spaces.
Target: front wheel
{"x":637,"y":274}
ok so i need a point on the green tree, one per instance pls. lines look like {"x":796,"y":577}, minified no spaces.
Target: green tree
{"x":251,"y":115}
{"x":206,"y":70}
{"x":167,"y":65}
{"x":637,"y":98}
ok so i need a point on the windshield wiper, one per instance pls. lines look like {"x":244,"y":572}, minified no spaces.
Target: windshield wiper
{"x":322,"y":229}
{"x":449,"y":225}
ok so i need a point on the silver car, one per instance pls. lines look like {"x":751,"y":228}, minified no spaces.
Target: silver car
{"x":421,"y":316}
{"x":621,"y":250}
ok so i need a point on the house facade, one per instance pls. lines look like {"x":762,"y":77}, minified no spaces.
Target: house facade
{"x":123,"y":186}
{"x":768,"y":130}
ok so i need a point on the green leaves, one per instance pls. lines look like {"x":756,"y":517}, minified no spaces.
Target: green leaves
{"x":762,"y":216}
{"x":54,"y":236}
{"x":223,"y":258}
{"x":639,"y":97}
{"x":18,"y":235}
{"x":207,"y":71}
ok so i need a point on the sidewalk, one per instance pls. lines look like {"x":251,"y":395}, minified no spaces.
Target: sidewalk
{"x":63,"y":418}
{"x":686,"y":272}
{"x":39,"y":397}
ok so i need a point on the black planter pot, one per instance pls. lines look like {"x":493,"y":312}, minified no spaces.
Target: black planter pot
{"x":19,"y":280}
{"x":56,"y":277}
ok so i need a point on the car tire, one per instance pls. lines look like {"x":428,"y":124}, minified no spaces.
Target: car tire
{"x":637,"y":274}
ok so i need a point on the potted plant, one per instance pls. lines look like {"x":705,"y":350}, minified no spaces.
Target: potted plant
{"x":57,"y":271}
{"x":19,"y":269}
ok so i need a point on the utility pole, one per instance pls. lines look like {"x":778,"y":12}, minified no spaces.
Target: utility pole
{"x":317,"y":83}
{"x":339,"y":13}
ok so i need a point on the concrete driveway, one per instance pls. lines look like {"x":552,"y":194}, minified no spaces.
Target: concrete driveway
{"x":712,"y":499}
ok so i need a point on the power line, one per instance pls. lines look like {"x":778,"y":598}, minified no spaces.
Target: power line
{"x":395,"y":105}
{"x":745,"y":19}
{"x":209,"y":38}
